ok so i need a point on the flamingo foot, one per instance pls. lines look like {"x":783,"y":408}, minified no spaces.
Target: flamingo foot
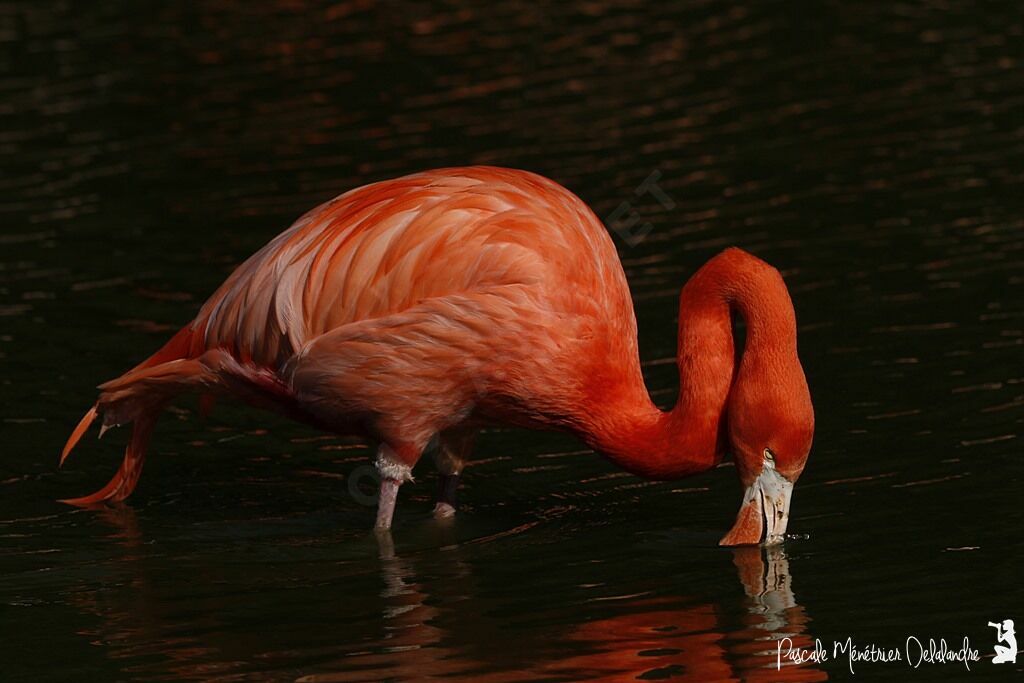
{"x":444,"y":511}
{"x":447,"y":488}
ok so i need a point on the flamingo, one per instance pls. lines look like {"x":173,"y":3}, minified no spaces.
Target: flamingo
{"x":427,"y":306}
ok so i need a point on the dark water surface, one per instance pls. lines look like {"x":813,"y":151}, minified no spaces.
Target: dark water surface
{"x":875,"y":154}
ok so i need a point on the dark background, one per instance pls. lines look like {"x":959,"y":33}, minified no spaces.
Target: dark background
{"x":873,"y":152}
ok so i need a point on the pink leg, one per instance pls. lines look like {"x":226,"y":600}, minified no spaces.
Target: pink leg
{"x":393,"y":471}
{"x":386,"y":502}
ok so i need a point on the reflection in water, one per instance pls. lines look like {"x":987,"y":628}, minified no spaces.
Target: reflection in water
{"x":434,"y":619}
{"x":773,"y":613}
{"x":696,"y":643}
{"x":767,"y":583}
{"x":131,"y":621}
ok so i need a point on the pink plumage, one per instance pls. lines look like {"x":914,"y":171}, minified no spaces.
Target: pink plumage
{"x":433,"y":303}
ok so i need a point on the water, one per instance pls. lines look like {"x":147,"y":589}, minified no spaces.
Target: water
{"x":875,"y":154}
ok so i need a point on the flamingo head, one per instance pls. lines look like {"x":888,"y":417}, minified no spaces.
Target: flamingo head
{"x":771,"y":426}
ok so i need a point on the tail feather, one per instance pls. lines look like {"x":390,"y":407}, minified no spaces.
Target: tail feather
{"x":80,"y":430}
{"x":138,"y":397}
{"x":123,"y":483}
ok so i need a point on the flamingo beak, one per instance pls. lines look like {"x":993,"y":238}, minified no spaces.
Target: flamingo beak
{"x":765,"y":510}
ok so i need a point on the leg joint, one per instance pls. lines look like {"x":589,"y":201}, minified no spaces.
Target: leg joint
{"x":390,"y":467}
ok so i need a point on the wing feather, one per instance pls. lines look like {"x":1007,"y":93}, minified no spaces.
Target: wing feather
{"x":383,"y":248}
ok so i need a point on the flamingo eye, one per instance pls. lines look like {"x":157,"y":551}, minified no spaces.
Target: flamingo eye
{"x":768,"y":455}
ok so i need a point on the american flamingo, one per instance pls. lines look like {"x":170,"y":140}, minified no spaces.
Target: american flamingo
{"x":437,"y":302}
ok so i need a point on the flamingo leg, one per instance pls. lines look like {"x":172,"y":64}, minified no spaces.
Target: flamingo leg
{"x":393,"y":471}
{"x":454,"y":448}
{"x":386,"y":502}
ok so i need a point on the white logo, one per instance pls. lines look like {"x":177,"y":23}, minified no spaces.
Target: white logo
{"x":1005,"y":634}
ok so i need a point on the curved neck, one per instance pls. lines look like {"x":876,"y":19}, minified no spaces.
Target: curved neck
{"x":633,"y":433}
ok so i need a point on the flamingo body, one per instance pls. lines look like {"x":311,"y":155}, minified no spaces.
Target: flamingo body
{"x":433,"y":303}
{"x":406,"y":307}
